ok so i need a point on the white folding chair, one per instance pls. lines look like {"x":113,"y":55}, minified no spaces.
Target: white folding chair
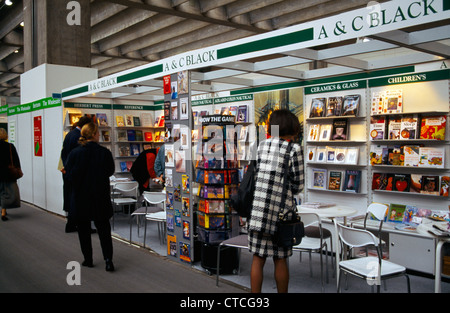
{"x":314,"y":244}
{"x":147,"y":208}
{"x":155,"y":198}
{"x":372,"y":269}
{"x":125,"y":194}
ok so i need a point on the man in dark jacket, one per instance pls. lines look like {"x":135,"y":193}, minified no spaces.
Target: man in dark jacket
{"x":70,"y":143}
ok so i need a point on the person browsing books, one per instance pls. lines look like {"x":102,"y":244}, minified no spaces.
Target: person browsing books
{"x":266,"y":204}
{"x":88,"y":169}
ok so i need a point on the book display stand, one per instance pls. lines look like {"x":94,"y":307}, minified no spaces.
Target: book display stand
{"x":217,"y":175}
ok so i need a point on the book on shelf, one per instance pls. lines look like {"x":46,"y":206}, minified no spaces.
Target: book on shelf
{"x":340,"y":130}
{"x":409,"y":127}
{"x":377,"y":103}
{"x":311,"y":154}
{"x":377,"y":127}
{"x":318,"y":107}
{"x":376,"y":154}
{"x":433,"y":127}
{"x":334,"y":106}
{"x":411,"y":155}
{"x":139,"y":135}
{"x":352,"y":182}
{"x":120,"y":122}
{"x":396,"y":212}
{"x":148,"y":136}
{"x":122,"y":135}
{"x":314,"y":132}
{"x":431,"y":157}
{"x":319,"y":180}
{"x":137,"y":121}
{"x":416,"y":183}
{"x":351,"y":105}
{"x":124,"y":150}
{"x":135,"y":149}
{"x":335,"y":180}
{"x":393,"y":101}
{"x":401,"y":182}
{"x":430,"y":185}
{"x":74,"y":118}
{"x":106,"y":136}
{"x":395,"y":155}
{"x":325,"y":132}
{"x":352,"y":156}
{"x":340,"y":155}
{"x":147,"y":120}
{"x":131,"y":135}
{"x":331,"y":154}
{"x":321,"y":154}
{"x":394,"y":127}
{"x":445,"y":184}
{"x":102,"y":119}
{"x":242,"y":114}
{"x":129,"y":120}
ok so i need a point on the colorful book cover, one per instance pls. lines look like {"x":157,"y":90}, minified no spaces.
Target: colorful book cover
{"x":335,"y":180}
{"x":396,"y":213}
{"x":352,"y":181}
{"x":102,"y":119}
{"x":318,"y":107}
{"x":377,"y":127}
{"x":433,"y":127}
{"x":351,"y":105}
{"x":340,"y":130}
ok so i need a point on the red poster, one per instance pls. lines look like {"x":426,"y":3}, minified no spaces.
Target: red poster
{"x":166,"y":84}
{"x":38,"y":136}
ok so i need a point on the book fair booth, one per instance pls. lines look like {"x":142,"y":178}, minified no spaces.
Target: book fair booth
{"x":375,"y":122}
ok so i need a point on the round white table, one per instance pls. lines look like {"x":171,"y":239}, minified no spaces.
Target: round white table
{"x":332,"y":213}
{"x":424,"y":229}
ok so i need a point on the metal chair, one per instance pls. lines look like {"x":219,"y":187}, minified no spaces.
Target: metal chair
{"x":155,"y":198}
{"x":372,"y":269}
{"x":124,"y":194}
{"x":314,"y":244}
{"x":147,"y":208}
{"x":240,"y":242}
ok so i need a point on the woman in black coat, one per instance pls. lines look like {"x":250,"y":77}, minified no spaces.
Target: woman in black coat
{"x":89,"y":167}
{"x":9,"y":191}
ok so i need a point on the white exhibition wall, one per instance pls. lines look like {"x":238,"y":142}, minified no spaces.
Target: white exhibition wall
{"x":42,"y":182}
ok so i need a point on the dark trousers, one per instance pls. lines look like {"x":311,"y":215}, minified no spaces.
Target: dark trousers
{"x":104,"y":233}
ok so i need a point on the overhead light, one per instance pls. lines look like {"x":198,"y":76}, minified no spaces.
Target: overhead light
{"x":8,"y":2}
{"x":22,"y":24}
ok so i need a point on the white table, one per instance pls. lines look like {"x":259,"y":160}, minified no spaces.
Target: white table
{"x":423,"y":229}
{"x":332,"y":213}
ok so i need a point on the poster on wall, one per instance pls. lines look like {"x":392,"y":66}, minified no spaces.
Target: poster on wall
{"x":267,"y":102}
{"x":37,"y":127}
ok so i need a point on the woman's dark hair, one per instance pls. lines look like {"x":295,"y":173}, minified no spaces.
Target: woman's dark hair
{"x":286,"y":121}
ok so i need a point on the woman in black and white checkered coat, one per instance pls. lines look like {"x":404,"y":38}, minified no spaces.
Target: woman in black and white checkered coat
{"x":283,"y":127}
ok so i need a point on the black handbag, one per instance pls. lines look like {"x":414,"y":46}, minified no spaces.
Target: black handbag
{"x":14,"y":172}
{"x":242,"y":201}
{"x":290,"y":228}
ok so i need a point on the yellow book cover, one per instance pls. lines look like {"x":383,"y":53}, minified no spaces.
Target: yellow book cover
{"x":120,"y":121}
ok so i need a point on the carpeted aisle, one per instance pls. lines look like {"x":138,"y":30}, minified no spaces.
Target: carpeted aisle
{"x":35,"y":252}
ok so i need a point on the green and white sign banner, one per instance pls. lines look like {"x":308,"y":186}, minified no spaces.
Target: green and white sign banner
{"x":374,"y":19}
{"x":350,"y":85}
{"x":42,"y":104}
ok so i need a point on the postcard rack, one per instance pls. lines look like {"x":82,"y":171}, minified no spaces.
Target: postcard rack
{"x":217,"y":174}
